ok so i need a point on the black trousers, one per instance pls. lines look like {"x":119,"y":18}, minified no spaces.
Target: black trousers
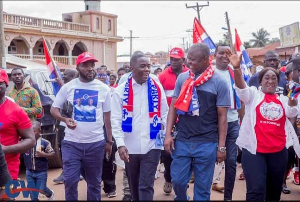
{"x":61,"y":136}
{"x":167,"y":160}
{"x":4,"y":174}
{"x":109,"y":171}
{"x":264,"y":174}
{"x":141,"y":170}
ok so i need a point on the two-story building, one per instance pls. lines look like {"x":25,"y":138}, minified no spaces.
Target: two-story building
{"x":90,"y":30}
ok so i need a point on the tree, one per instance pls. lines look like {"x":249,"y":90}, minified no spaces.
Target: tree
{"x":247,"y":44}
{"x":260,"y":38}
{"x":273,"y":40}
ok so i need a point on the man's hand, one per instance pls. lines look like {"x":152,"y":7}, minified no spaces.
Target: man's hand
{"x":108,"y":148}
{"x":59,"y":81}
{"x":70,"y":123}
{"x":123,"y":153}
{"x":169,"y":144}
{"x":221,"y":156}
{"x":39,"y":154}
{"x":234,"y":59}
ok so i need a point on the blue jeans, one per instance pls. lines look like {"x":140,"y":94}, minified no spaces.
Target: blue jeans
{"x":85,"y":159}
{"x":203,"y":157}
{"x":37,"y":178}
{"x":231,"y":156}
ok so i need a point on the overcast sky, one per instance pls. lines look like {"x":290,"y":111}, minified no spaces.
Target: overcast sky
{"x":162,"y":24}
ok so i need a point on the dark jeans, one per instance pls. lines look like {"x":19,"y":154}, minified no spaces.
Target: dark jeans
{"x":87,"y":159}
{"x":264,"y":174}
{"x":37,"y":178}
{"x":4,"y":174}
{"x":141,"y":170}
{"x":167,"y":160}
{"x":109,"y":171}
{"x":231,"y":156}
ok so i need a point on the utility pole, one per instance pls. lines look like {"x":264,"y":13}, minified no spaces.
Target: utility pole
{"x":2,"y":49}
{"x":229,"y":31}
{"x":130,"y":37}
{"x":197,"y":8}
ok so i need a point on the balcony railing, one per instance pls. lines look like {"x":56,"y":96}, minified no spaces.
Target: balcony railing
{"x":61,"y":59}
{"x":43,"y":23}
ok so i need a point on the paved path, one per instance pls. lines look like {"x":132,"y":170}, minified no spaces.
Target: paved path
{"x":238,"y":193}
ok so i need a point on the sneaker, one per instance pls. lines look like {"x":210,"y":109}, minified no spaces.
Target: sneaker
{"x":156,"y":175}
{"x":81,"y":177}
{"x":285,"y":189}
{"x":51,"y":198}
{"x":217,"y":187}
{"x":162,"y":168}
{"x":168,"y":187}
{"x":296,"y":177}
{"x":112,"y":194}
{"x":126,"y":198}
{"x":289,"y":174}
{"x":59,"y":179}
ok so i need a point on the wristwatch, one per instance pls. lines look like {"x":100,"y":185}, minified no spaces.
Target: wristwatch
{"x":222,"y":149}
{"x":110,"y":142}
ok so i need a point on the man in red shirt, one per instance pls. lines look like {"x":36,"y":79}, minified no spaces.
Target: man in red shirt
{"x":168,"y":79}
{"x":14,"y":123}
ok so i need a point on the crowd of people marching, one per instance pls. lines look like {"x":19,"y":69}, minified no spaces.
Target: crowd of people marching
{"x":196,"y":116}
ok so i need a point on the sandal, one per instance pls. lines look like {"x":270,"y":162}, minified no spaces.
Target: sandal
{"x":242,"y":176}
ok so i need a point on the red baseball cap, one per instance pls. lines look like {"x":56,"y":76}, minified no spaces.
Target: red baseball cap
{"x":3,"y":76}
{"x":176,"y":53}
{"x":85,"y":56}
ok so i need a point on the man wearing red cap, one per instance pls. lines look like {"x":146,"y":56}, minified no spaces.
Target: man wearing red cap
{"x":14,"y":123}
{"x":168,"y":79}
{"x":84,"y":144}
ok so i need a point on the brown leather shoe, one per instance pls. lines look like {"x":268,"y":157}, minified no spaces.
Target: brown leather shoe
{"x":217,"y":187}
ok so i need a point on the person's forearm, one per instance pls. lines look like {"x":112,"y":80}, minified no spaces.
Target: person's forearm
{"x":56,"y":114}
{"x":171,"y":118}
{"x":34,"y":111}
{"x":107,"y":123}
{"x":49,"y":155}
{"x":20,"y":147}
{"x":238,"y":78}
{"x":222,"y":128}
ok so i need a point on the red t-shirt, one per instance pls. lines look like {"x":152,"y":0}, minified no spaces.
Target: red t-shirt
{"x":270,"y":123}
{"x":12,"y":119}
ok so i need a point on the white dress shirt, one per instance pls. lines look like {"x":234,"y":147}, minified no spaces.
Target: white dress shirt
{"x":252,"y":97}
{"x":138,"y":141}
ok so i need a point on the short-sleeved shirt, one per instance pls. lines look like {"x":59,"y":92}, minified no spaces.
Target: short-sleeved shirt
{"x":12,"y":119}
{"x":281,"y":88}
{"x":89,"y":101}
{"x":212,"y":94}
{"x":34,"y":163}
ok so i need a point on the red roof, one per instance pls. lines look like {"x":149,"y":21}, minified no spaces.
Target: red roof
{"x":252,"y":52}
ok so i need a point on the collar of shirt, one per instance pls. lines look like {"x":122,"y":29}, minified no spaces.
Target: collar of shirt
{"x":25,"y":86}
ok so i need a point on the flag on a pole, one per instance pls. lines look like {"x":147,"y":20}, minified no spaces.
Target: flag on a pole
{"x":52,"y":68}
{"x":201,"y":36}
{"x":246,"y":62}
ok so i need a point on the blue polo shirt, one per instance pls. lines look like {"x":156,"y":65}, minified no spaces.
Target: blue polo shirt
{"x":212,"y":94}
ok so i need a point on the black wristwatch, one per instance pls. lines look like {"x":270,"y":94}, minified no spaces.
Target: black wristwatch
{"x":111,"y":143}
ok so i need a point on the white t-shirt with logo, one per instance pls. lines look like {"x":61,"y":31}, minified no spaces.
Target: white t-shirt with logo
{"x":90,"y":100}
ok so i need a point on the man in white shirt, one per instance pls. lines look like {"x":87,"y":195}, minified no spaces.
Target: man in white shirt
{"x":139,"y":146}
{"x":84,"y":145}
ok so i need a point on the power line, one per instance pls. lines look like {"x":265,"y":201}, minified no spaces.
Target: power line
{"x":197,"y":8}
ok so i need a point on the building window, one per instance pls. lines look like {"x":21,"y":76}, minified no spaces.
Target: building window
{"x":12,"y":49}
{"x":97,"y":23}
{"x":86,"y":7}
{"x":41,"y":49}
{"x":109,"y":25}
